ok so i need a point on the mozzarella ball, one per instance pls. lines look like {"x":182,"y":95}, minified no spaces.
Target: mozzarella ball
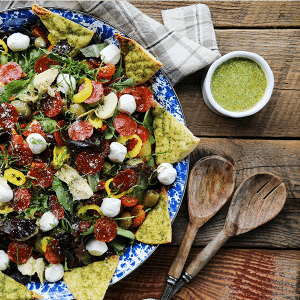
{"x":4,"y":260}
{"x":36,"y":142}
{"x":65,"y":83}
{"x":48,"y":221}
{"x":18,"y":42}
{"x":117,"y":152}
{"x":127,"y":104}
{"x":166,"y":173}
{"x":54,"y":273}
{"x":95,"y":247}
{"x":110,"y":54}
{"x":6,"y":193}
{"x":110,"y":207}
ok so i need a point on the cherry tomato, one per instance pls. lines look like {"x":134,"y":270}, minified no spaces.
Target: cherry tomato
{"x":129,"y":201}
{"x":106,"y":71}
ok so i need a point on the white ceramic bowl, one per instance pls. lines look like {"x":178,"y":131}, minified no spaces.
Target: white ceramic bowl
{"x":214,"y":106}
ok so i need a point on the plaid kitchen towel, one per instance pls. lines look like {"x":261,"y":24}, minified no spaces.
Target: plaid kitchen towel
{"x":182,"y":53}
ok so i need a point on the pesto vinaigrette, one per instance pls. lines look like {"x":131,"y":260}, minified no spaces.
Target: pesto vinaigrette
{"x":238,"y":84}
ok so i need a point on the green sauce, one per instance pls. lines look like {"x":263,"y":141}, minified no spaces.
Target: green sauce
{"x":238,"y":84}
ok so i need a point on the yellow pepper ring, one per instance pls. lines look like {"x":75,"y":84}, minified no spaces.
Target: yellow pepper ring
{"x":109,"y":192}
{"x":137,"y":148}
{"x":45,"y":241}
{"x":60,"y":156}
{"x":2,"y":43}
{"x":4,"y":209}
{"x":85,"y":93}
{"x":14,"y":176}
{"x":85,"y":208}
{"x":95,"y":121}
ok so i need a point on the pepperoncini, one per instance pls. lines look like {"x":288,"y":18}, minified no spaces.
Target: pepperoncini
{"x":85,"y":93}
{"x":109,"y":191}
{"x":137,"y":148}
{"x":60,"y":156}
{"x":45,"y":241}
{"x":2,"y":43}
{"x":82,"y":212}
{"x":5,"y":208}
{"x":14,"y":176}
{"x":95,"y":121}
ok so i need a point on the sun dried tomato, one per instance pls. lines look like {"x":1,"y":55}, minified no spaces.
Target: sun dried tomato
{"x":56,"y":208}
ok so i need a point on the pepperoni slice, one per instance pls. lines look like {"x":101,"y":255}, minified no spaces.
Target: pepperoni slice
{"x":20,"y":150}
{"x":51,"y":106}
{"x":105,"y":229}
{"x":34,"y":127}
{"x":129,"y":201}
{"x":89,"y":162}
{"x":143,"y":98}
{"x":80,"y":130}
{"x":44,"y":64}
{"x":8,"y":116}
{"x":19,"y":252}
{"x":53,"y":254}
{"x":61,"y":134}
{"x":56,"y":207}
{"x":106,"y":71}
{"x":125,"y":180}
{"x":9,"y":72}
{"x":21,"y":199}
{"x":40,"y":177}
{"x":143,"y":133}
{"x":124,"y":125}
{"x":97,"y":92}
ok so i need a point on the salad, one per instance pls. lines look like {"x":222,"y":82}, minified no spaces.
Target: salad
{"x":78,"y":172}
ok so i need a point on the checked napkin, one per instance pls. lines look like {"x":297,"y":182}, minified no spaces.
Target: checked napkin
{"x":185,"y":43}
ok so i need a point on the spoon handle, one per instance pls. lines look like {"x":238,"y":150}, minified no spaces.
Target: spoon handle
{"x":207,"y":253}
{"x":180,"y":259}
{"x":200,"y":261}
{"x":183,"y":251}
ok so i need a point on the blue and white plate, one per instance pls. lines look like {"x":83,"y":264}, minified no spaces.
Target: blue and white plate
{"x":12,"y":21}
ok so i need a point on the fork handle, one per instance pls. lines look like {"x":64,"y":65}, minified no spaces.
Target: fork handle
{"x":183,"y":251}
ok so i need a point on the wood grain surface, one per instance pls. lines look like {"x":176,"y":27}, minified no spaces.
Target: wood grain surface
{"x":263,"y":264}
{"x":239,"y":274}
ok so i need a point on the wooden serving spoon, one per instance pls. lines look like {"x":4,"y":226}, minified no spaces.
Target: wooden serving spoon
{"x":211,"y":184}
{"x":256,"y":201}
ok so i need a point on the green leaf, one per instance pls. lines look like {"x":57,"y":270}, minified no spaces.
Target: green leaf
{"x":89,"y":231}
{"x":119,"y":244}
{"x":126,"y":233}
{"x":62,"y":194}
{"x":151,"y":162}
{"x":121,"y":84}
{"x":93,"y":50}
{"x":38,"y":203}
{"x":148,"y":120}
{"x":93,"y":182}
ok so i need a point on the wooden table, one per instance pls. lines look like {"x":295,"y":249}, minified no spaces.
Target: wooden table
{"x":264,"y":263}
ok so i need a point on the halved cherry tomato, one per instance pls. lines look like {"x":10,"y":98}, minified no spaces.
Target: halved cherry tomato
{"x":106,"y":71}
{"x":124,"y":125}
{"x":60,"y":133}
{"x":105,"y":229}
{"x":139,"y":213}
{"x":39,"y":32}
{"x":53,"y":254}
{"x":129,"y":201}
{"x":21,"y":199}
{"x":19,"y":252}
{"x":143,"y":133}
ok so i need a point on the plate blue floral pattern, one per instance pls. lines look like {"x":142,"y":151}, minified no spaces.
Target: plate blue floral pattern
{"x":12,"y":21}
